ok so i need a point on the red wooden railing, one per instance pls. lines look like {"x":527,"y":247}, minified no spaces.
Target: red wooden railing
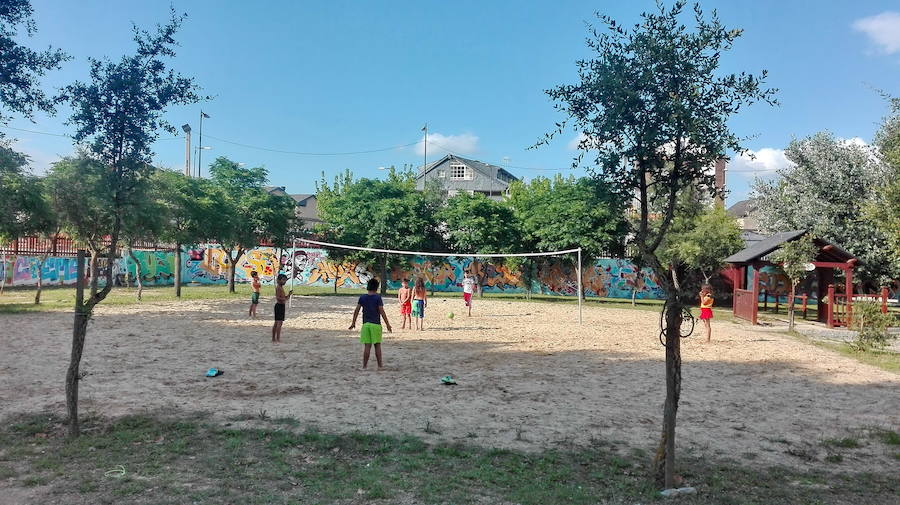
{"x":840,"y":306}
{"x":804,"y":298}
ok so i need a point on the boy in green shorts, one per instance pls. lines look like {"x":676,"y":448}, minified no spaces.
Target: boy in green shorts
{"x":373,"y":311}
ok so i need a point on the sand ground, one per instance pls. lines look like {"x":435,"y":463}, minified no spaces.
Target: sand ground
{"x":529,"y":377}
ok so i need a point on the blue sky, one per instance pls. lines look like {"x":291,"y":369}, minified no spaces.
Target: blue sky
{"x":340,"y":76}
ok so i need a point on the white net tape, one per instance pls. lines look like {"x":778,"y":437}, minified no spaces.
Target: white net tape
{"x":458,"y":255}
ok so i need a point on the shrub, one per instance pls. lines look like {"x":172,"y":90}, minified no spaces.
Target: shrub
{"x":871,"y":326}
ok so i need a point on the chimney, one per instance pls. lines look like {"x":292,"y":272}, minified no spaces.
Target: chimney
{"x":720,"y":182}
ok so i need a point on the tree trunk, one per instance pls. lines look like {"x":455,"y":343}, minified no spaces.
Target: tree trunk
{"x":791,"y":309}
{"x":384,"y":274}
{"x":95,"y":267}
{"x":664,"y":462}
{"x":177,"y":270}
{"x":40,"y":279}
{"x":79,"y":331}
{"x":432,"y":279}
{"x":137,"y":273}
{"x":233,"y":272}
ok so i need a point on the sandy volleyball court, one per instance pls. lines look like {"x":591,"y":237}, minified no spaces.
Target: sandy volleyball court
{"x":529,"y":376}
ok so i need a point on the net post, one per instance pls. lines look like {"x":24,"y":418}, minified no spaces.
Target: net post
{"x":291,"y":298}
{"x":578,"y":270}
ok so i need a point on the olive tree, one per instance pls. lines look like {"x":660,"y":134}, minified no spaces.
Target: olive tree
{"x":118,"y":115}
{"x":653,"y":107}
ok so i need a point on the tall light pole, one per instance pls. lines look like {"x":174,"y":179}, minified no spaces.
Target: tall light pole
{"x":187,"y":149}
{"x":505,"y":161}
{"x":200,"y":152}
{"x":425,"y":159}
{"x":197,"y":151}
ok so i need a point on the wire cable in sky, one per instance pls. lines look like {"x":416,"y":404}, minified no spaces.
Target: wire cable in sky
{"x":301,"y":153}
{"x":63,"y":134}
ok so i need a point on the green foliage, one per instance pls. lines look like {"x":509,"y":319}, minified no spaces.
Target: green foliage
{"x":249,"y":215}
{"x":375,"y":213}
{"x":89,"y":217}
{"x":119,"y":113}
{"x":475,"y":223}
{"x":826,"y":192}
{"x":565,"y":213}
{"x":793,"y":257}
{"x":24,"y":207}
{"x":144,"y":215}
{"x":702,"y":242}
{"x":884,"y":209}
{"x":871,"y":326}
{"x":21,"y":67}
{"x":653,"y":109}
{"x":190,"y":207}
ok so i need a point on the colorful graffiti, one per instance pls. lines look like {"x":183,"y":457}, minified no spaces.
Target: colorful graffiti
{"x":23,"y":270}
{"x":210,"y":265}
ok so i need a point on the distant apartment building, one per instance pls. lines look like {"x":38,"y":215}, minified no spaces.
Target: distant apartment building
{"x":457,"y":175}
{"x":307,"y":207}
{"x":746,"y":212}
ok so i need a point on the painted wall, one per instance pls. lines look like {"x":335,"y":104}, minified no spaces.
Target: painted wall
{"x":613,"y":278}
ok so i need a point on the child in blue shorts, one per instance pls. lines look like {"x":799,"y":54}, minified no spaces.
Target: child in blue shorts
{"x":373,"y":311}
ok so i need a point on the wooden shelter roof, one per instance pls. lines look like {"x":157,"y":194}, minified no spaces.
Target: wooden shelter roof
{"x":760,"y":251}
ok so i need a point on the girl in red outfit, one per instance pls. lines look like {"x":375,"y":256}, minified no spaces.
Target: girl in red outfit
{"x":706,"y":303}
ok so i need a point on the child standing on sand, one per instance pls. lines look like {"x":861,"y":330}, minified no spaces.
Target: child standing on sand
{"x":373,"y":311}
{"x":255,"y":285}
{"x":706,"y":304}
{"x":280,"y":298}
{"x":420,"y":301}
{"x":404,"y":296}
{"x":468,"y":289}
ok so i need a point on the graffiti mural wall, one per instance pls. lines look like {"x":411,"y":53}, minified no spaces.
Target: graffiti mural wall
{"x":613,"y":278}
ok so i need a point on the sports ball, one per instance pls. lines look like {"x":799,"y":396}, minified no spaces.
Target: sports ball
{"x":450,"y":315}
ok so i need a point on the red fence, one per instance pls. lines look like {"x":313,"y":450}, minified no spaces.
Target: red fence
{"x":840,"y":309}
{"x":62,"y":246}
{"x":745,"y":304}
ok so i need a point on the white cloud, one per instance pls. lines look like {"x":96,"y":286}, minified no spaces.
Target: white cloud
{"x":575,"y":142}
{"x":39,"y":162}
{"x":855,"y":141}
{"x":464,"y":143}
{"x":762,"y":162}
{"x":882,"y":29}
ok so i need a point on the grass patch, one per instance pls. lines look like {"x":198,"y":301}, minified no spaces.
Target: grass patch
{"x":61,"y":298}
{"x":141,"y":459}
{"x":885,"y":360}
{"x":844,"y":443}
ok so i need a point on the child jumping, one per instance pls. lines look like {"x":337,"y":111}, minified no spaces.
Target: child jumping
{"x":373,"y":311}
{"x":706,"y":314}
{"x":255,"y":285}
{"x":404,"y":296}
{"x":280,"y":299}
{"x":468,"y":288}
{"x":420,"y":301}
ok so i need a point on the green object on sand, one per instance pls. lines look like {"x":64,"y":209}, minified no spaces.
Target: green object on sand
{"x":448,"y":380}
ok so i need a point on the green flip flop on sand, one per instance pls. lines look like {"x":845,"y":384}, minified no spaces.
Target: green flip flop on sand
{"x":448,"y":380}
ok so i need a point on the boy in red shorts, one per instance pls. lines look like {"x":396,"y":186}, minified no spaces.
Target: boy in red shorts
{"x":404,"y":296}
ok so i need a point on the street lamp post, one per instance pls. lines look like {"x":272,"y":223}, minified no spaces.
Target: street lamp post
{"x":199,"y":154}
{"x":187,"y":149}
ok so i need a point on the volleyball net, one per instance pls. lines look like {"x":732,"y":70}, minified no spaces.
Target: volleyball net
{"x":398,"y":252}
